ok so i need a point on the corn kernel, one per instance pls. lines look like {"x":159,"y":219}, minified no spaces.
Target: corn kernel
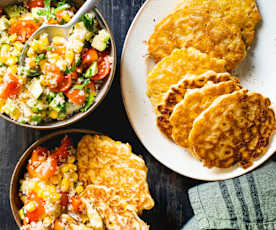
{"x":30,"y":207}
{"x":18,"y":46}
{"x":66,"y":17}
{"x":79,"y":189}
{"x":11,"y":60}
{"x":57,"y":41}
{"x":13,"y":37}
{"x":42,"y":63}
{"x":30,"y":52}
{"x":75,"y":177}
{"x":69,"y":56}
{"x":21,"y":213}
{"x":71,"y":159}
{"x":65,"y":168}
{"x":14,"y":69}
{"x":72,"y":167}
{"x":47,"y":221}
{"x":35,"y":45}
{"x":53,"y":114}
{"x":12,"y":20}
{"x":65,"y":184}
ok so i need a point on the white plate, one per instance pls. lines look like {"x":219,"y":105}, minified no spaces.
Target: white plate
{"x":257,"y":72}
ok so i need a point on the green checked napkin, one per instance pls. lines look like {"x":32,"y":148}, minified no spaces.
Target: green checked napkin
{"x":246,"y":203}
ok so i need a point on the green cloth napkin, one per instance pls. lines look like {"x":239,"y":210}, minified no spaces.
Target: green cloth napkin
{"x":246,"y":203}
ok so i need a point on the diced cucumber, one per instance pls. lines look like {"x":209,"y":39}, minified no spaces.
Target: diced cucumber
{"x":92,"y":70}
{"x":101,"y":40}
{"x":35,"y":88}
{"x":58,"y":103}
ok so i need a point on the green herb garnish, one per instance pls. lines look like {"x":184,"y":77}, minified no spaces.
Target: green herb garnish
{"x":88,"y":21}
{"x":39,"y":58}
{"x":89,"y":102}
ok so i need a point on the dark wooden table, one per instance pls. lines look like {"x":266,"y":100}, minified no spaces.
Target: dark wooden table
{"x":169,"y":190}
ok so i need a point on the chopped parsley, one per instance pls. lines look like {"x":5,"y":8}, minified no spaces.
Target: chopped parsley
{"x":88,"y":21}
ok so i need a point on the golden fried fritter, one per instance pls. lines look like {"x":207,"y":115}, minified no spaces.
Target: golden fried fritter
{"x":177,"y":92}
{"x":103,"y":161}
{"x":115,"y":212}
{"x":243,"y":13}
{"x":236,"y":128}
{"x":194,"y":102}
{"x":174,"y":68}
{"x":197,"y":28}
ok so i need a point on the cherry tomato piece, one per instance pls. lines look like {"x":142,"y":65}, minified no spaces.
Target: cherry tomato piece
{"x":64,"y":85}
{"x":39,"y":210}
{"x":57,"y":77}
{"x":76,"y":96}
{"x":35,"y":3}
{"x":42,"y":165}
{"x":11,"y":86}
{"x":62,"y":151}
{"x":103,"y":68}
{"x":47,"y":168}
{"x":24,"y":29}
{"x":76,"y":204}
{"x":89,"y":56}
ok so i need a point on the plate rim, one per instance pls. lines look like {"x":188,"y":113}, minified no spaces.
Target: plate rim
{"x":262,"y":159}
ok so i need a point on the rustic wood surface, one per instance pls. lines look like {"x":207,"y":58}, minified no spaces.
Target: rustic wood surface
{"x":172,"y":209}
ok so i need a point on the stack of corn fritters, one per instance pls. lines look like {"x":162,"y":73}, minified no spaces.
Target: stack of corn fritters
{"x":198,"y":103}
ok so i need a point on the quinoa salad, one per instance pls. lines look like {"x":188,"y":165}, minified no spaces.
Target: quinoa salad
{"x":99,"y":185}
{"x":59,"y":77}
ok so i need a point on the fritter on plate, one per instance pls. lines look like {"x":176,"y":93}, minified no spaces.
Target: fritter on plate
{"x":177,"y":92}
{"x":236,"y":128}
{"x":195,"y":102}
{"x":243,"y":13}
{"x":199,"y":29}
{"x":103,"y":161}
{"x":174,"y":68}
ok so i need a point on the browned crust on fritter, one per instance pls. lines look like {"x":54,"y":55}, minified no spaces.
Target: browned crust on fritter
{"x":236,"y":128}
{"x":197,"y":28}
{"x":177,"y":92}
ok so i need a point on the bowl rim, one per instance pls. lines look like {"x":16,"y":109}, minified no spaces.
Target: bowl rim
{"x":13,"y":189}
{"x":100,"y":97}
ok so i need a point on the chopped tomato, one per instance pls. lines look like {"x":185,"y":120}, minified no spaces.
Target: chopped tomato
{"x":76,"y":203}
{"x":39,"y":154}
{"x":76,"y":96}
{"x":89,"y":56}
{"x":39,"y":208}
{"x":41,"y":165}
{"x":50,"y":68}
{"x":58,"y":225}
{"x":103,"y":68}
{"x":64,"y":85}
{"x":64,"y":199}
{"x":11,"y":86}
{"x":36,"y":3}
{"x":24,"y":29}
{"x":57,"y":77}
{"x":62,"y":151}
